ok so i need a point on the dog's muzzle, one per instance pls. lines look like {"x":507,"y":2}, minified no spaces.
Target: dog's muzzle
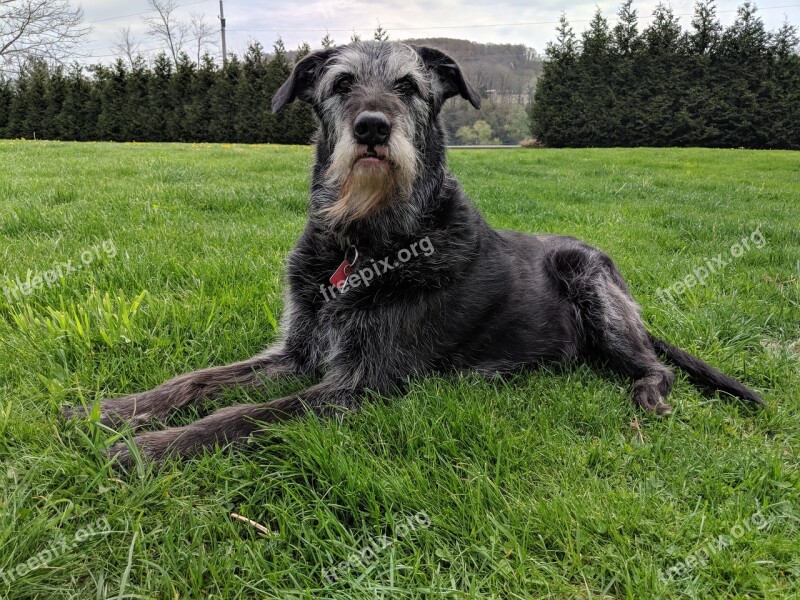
{"x":372,"y":128}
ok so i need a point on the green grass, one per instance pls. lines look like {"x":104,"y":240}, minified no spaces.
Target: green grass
{"x":536,"y":486}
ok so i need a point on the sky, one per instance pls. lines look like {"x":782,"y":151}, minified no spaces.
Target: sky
{"x":500,"y":21}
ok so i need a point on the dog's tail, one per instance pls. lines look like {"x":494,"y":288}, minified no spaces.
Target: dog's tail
{"x":702,"y":374}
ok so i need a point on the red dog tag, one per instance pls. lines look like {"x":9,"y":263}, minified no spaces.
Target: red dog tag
{"x":339,"y":278}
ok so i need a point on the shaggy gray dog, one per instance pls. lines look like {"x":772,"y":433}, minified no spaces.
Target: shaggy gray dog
{"x":397,"y":275}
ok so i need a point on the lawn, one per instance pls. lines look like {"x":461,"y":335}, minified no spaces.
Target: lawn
{"x":126,"y":264}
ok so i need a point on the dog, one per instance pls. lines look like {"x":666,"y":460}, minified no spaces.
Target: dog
{"x":397,"y":275}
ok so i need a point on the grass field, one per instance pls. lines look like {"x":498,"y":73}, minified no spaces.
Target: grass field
{"x":538,"y":486}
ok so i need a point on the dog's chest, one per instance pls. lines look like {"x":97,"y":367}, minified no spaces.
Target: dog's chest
{"x":342,"y":279}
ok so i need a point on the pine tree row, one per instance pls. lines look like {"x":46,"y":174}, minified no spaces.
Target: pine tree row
{"x":162,"y":102}
{"x":709,"y":86}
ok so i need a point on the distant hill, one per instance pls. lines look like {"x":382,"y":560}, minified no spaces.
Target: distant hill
{"x":494,"y":69}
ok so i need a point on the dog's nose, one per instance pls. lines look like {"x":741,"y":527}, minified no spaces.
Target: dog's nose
{"x":372,"y":128}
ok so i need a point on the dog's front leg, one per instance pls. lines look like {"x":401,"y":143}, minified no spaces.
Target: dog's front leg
{"x":235,"y":423}
{"x":180,"y":391}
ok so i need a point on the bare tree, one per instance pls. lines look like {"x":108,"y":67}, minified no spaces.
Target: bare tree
{"x":50,"y":30}
{"x":166,"y":27}
{"x":127,"y":46}
{"x":203,"y":34}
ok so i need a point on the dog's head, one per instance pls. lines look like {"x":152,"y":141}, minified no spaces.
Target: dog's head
{"x":376,"y":102}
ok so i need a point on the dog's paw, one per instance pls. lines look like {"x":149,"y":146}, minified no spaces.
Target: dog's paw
{"x":145,"y":446}
{"x":156,"y":446}
{"x":128,"y":410}
{"x":121,"y":455}
{"x":73,"y":412}
{"x":650,"y":399}
{"x":108,"y":415}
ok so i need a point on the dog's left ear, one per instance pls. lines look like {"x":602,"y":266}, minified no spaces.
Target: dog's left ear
{"x":449,"y":73}
{"x":302,"y":81}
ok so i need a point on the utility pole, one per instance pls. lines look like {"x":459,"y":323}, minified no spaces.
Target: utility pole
{"x":222,"y":30}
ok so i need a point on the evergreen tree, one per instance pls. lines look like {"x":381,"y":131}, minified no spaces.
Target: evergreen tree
{"x":625,"y":36}
{"x":663,"y":70}
{"x":380,"y":35}
{"x":741,"y":75}
{"x":56,"y":94}
{"x":626,"y":76}
{"x":223,"y":102}
{"x":555,"y":111}
{"x":6,"y":96}
{"x":706,"y":28}
{"x":702,"y":98}
{"x":254,"y":117}
{"x":181,"y":87}
{"x":279,"y":127}
{"x":300,"y":119}
{"x":137,"y":88}
{"x":111,"y":88}
{"x":785,"y":103}
{"x":77,"y":117}
{"x":198,"y":110}
{"x":595,"y":97}
{"x":33,"y":114}
{"x":157,"y":125}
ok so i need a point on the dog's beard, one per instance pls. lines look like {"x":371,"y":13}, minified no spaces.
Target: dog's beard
{"x":364,"y":191}
{"x":367,"y":187}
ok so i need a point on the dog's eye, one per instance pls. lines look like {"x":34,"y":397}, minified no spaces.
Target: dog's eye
{"x":343,"y":84}
{"x":405,"y":86}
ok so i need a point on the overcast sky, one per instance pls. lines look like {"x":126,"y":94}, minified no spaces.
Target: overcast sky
{"x":503,"y":21}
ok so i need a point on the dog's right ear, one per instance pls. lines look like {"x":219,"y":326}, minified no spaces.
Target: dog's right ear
{"x":302,"y":81}
{"x":450,"y":75}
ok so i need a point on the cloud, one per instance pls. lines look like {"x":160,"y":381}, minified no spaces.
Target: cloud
{"x":502,"y":21}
